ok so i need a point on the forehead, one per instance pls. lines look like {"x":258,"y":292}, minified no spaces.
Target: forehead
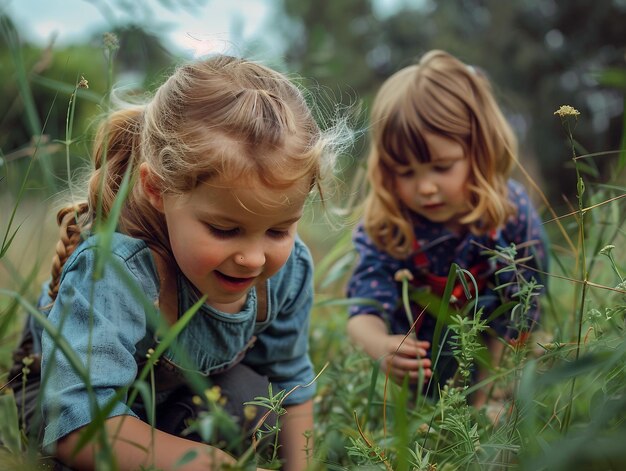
{"x":441,"y":147}
{"x":227,"y":159}
{"x":249,"y":197}
{"x":429,"y":148}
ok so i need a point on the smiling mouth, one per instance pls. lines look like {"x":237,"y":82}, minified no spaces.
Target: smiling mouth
{"x":234,"y":284}
{"x":235,"y":280}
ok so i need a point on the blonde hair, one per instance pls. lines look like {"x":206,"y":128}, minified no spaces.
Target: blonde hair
{"x":442,"y":95}
{"x":185,"y":134}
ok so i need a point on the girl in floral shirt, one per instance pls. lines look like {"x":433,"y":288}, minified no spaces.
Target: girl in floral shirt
{"x":440,"y":194}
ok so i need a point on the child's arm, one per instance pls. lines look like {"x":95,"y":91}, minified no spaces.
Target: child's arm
{"x":398,"y":356}
{"x":136,"y":444}
{"x":294,"y":446}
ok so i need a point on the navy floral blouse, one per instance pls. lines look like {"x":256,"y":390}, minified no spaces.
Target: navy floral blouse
{"x":435,"y":251}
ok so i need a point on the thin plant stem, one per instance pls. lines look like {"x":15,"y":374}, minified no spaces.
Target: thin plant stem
{"x":583,"y":271}
{"x":69,"y":125}
{"x":153,"y":408}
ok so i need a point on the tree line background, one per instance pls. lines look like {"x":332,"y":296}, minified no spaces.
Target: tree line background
{"x":539,"y":54}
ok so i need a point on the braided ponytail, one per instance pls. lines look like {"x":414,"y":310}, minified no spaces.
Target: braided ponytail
{"x":70,"y":220}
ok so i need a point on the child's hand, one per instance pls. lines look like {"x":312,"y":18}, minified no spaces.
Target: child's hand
{"x":405,"y":357}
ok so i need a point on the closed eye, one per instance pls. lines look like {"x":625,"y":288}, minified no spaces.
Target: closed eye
{"x":278,"y":233}
{"x":222,"y":233}
{"x":443,"y":168}
{"x":404,"y":172}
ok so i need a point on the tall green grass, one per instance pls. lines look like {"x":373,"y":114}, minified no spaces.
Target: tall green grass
{"x":567,"y":385}
{"x":566,"y":388}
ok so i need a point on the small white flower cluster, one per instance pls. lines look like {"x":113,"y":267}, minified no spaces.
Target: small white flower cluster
{"x":566,"y":110}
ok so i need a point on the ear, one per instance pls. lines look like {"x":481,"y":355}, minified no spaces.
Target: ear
{"x":148,"y":185}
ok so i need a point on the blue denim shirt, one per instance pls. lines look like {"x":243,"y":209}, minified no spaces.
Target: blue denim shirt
{"x":110,"y":321}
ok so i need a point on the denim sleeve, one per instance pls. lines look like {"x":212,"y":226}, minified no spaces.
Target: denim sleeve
{"x":372,"y":278}
{"x":281,"y":351}
{"x":101,"y":321}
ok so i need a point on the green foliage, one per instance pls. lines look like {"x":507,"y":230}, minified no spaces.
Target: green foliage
{"x":9,"y":428}
{"x":564,"y":389}
{"x":555,"y":403}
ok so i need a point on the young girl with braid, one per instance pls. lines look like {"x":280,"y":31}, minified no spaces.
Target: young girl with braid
{"x":221,"y":162}
{"x":440,"y":157}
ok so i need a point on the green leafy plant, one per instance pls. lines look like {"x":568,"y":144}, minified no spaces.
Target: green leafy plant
{"x":564,"y":389}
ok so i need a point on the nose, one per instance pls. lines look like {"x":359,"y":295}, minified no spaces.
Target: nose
{"x":426,"y":186}
{"x":251,"y":256}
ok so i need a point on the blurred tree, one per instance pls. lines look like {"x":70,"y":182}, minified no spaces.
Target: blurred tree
{"x":36,"y":93}
{"x":334,"y":47}
{"x":142,"y":58}
{"x":540,"y":54}
{"x":330,"y":41}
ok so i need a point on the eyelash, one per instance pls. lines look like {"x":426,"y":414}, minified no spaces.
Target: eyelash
{"x":405,"y":173}
{"x":276,"y":234}
{"x":227,"y":233}
{"x":410,"y":173}
{"x":222,"y":233}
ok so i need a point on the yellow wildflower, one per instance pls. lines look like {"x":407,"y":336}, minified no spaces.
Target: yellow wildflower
{"x":149,"y":354}
{"x":213,"y":394}
{"x":249,"y":412}
{"x":566,"y":110}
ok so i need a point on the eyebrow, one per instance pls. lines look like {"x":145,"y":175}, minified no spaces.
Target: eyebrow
{"x":289,"y":221}
{"x":448,"y":158}
{"x":227,"y":220}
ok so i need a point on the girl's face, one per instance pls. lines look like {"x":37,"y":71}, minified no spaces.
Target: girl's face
{"x":436,"y":190}
{"x":229,"y":236}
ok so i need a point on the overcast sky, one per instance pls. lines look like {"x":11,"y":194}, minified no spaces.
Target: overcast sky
{"x":203,"y":26}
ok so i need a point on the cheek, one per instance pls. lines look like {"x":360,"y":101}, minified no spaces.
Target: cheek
{"x":193,"y":259}
{"x":458,"y":186}
{"x":277,"y":257}
{"x":404,"y":192}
